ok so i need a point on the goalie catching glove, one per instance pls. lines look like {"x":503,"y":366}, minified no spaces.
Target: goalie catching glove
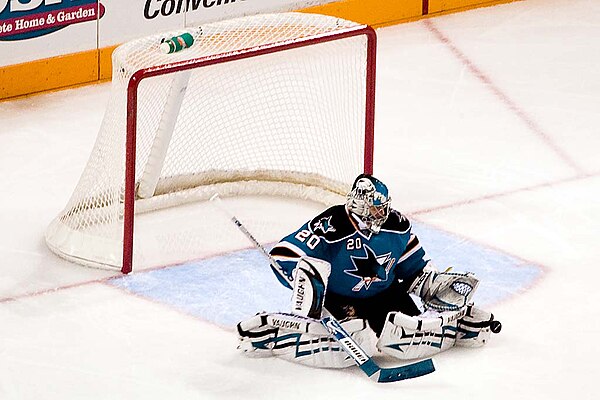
{"x":444,"y":291}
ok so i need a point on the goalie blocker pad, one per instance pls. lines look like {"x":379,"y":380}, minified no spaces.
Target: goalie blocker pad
{"x":310,"y":283}
{"x":296,"y":339}
{"x":407,"y":337}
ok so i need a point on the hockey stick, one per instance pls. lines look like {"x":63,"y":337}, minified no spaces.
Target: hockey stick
{"x":216,"y":200}
{"x":349,"y":345}
{"x":366,"y":363}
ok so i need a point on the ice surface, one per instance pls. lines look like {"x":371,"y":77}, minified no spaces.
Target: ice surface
{"x":487,"y":134}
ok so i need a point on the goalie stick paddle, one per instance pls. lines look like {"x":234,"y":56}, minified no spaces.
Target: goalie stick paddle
{"x":349,"y":345}
{"x":366,"y":363}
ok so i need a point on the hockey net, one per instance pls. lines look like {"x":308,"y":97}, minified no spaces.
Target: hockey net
{"x":278,"y":104}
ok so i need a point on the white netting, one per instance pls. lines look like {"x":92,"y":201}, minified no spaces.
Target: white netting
{"x":289,"y":123}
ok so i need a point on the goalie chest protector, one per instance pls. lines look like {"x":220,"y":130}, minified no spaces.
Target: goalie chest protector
{"x":363,"y":264}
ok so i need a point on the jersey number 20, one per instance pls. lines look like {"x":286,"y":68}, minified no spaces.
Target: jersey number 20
{"x":353,"y":244}
{"x":313,"y":240}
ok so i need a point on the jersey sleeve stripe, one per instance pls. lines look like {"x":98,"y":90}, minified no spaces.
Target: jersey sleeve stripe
{"x":412,"y":247}
{"x":286,"y":250}
{"x":283,"y":252}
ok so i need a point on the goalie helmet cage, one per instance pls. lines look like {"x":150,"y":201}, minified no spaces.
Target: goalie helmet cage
{"x":278,"y":104}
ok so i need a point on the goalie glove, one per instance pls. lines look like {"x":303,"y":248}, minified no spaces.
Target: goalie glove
{"x":310,"y":283}
{"x":444,"y":291}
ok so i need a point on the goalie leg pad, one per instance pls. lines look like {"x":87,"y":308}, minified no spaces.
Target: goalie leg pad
{"x":300,"y":340}
{"x":407,"y":337}
{"x":476,"y":327}
{"x":432,"y":332}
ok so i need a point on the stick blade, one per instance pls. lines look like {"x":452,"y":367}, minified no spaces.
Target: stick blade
{"x":409,"y":371}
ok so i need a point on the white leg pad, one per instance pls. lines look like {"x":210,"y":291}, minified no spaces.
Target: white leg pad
{"x":432,"y":332}
{"x":476,"y":327}
{"x":300,"y":340}
{"x":407,"y":337}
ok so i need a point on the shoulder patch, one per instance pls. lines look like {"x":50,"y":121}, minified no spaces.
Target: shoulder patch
{"x":396,"y":222}
{"x":332,"y":224}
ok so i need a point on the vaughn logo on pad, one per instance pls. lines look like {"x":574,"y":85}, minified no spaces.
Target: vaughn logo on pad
{"x":21,"y":20}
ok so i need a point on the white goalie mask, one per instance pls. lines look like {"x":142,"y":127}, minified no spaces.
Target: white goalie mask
{"x":369,"y":200}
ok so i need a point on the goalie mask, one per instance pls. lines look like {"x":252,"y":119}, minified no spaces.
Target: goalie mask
{"x":369,"y":201}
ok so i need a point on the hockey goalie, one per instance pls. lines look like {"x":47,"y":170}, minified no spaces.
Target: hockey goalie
{"x":360,"y":263}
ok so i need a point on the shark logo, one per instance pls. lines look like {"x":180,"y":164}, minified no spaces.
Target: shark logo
{"x":369,"y":269}
{"x":324,"y":224}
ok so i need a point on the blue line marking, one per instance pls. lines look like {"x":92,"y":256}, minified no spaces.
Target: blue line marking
{"x":229,"y":288}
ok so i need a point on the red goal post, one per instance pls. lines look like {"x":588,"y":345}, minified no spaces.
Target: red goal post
{"x":174,"y":122}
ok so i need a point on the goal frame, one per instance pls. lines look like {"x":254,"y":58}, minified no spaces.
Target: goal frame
{"x":140,"y":75}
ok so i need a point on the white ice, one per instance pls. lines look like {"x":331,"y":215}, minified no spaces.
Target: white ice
{"x":488,"y":126}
